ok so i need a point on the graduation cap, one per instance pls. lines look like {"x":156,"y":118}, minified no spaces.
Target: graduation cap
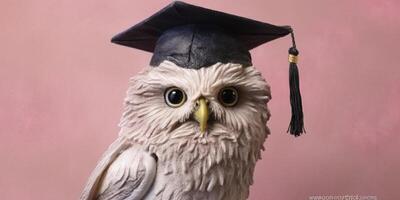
{"x":194,"y":37}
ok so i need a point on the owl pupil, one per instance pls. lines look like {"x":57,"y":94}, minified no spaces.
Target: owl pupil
{"x":228,"y":96}
{"x":175,"y":96}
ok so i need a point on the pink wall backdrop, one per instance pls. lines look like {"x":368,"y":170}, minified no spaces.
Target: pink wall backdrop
{"x":62,"y":84}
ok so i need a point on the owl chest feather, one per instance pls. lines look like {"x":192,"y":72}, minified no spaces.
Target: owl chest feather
{"x":196,"y":182}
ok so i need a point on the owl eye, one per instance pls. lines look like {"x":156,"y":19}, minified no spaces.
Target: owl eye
{"x":174,"y":97}
{"x":228,"y":96}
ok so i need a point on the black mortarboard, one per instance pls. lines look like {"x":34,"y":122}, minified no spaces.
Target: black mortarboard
{"x":195,"y":37}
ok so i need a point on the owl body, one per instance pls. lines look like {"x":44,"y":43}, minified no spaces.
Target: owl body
{"x":164,"y":152}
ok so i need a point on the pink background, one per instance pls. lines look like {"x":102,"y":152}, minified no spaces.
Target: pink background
{"x":62,"y":84}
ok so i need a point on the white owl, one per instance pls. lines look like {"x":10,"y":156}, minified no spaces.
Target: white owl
{"x":186,"y":134}
{"x":195,"y":120}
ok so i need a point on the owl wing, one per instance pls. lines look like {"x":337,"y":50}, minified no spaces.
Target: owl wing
{"x":124,"y":172}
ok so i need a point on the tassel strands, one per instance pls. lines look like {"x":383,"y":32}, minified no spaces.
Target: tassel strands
{"x":296,"y":126}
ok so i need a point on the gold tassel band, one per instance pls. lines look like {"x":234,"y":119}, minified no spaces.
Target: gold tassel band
{"x":293,"y":58}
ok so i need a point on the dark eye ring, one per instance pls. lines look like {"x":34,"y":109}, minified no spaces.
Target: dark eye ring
{"x":228,"y":96}
{"x":174,"y":97}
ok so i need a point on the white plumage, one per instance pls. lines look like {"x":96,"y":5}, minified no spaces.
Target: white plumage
{"x":215,"y":165}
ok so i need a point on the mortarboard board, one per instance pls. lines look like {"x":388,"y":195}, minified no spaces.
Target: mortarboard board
{"x":194,"y":37}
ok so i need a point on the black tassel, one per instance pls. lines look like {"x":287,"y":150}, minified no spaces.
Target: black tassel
{"x":296,"y":126}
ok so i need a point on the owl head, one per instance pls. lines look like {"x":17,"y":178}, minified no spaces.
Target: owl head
{"x":206,"y":119}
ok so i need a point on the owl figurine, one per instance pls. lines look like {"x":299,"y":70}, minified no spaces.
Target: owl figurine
{"x":194,"y":121}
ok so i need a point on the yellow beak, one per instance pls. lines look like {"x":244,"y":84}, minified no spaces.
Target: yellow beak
{"x":201,"y":114}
